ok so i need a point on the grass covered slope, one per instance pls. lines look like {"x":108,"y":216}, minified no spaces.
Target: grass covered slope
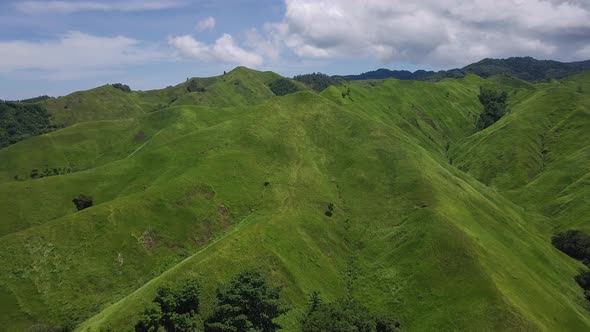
{"x":209,"y":190}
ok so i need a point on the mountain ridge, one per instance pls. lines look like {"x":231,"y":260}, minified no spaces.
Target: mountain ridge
{"x":526,"y":68}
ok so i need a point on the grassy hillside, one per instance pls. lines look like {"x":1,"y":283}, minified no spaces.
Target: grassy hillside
{"x":442,"y":226}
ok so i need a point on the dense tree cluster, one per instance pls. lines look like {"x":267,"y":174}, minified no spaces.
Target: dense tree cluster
{"x":343,"y":316}
{"x":246,"y":303}
{"x":494,"y":107}
{"x":317,"y":81}
{"x":283,"y":86}
{"x":122,"y":87}
{"x":19,"y":121}
{"x":576,"y":244}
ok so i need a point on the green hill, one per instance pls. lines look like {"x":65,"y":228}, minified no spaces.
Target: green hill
{"x":438,"y":224}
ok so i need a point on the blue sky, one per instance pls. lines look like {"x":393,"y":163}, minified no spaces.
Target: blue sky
{"x":57,"y":47}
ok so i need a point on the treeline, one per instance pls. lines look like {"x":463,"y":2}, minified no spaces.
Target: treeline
{"x":19,"y":121}
{"x":247,"y":303}
{"x":576,"y":244}
{"x":317,"y":81}
{"x":494,"y":107}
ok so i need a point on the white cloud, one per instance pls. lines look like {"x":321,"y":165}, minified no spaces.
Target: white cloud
{"x":437,"y":32}
{"x":206,"y":24}
{"x":73,"y":53}
{"x":223,"y":50}
{"x":67,"y":7}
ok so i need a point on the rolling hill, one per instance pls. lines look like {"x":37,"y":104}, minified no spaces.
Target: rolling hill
{"x":439,"y":224}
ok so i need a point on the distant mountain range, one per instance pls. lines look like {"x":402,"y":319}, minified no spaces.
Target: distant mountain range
{"x":525,"y":68}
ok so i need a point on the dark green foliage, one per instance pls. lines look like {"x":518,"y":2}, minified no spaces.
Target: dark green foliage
{"x":282,"y":86}
{"x":573,"y":243}
{"x":35,"y":173}
{"x":494,"y":107}
{"x":317,"y":81}
{"x":576,"y":244}
{"x":583,"y":279}
{"x":193,"y":86}
{"x":247,"y":303}
{"x":82,"y":202}
{"x":122,"y":87}
{"x":19,"y":121}
{"x":343,"y":316}
{"x":175,"y":308}
{"x":330,"y":211}
{"x":149,"y":320}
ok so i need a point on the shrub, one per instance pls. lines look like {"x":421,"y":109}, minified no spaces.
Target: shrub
{"x":82,"y":202}
{"x":330,"y":211}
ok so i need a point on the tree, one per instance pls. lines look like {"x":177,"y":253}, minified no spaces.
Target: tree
{"x":175,"y":308}
{"x":82,"y":202}
{"x":247,"y":303}
{"x":149,"y":321}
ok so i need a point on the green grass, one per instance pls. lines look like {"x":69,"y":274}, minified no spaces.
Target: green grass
{"x":444,"y":227}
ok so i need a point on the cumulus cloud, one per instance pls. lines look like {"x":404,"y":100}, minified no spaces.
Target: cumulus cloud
{"x":206,"y":24}
{"x":223,"y":50}
{"x":74,"y":52}
{"x":449,"y":32}
{"x":67,"y":7}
